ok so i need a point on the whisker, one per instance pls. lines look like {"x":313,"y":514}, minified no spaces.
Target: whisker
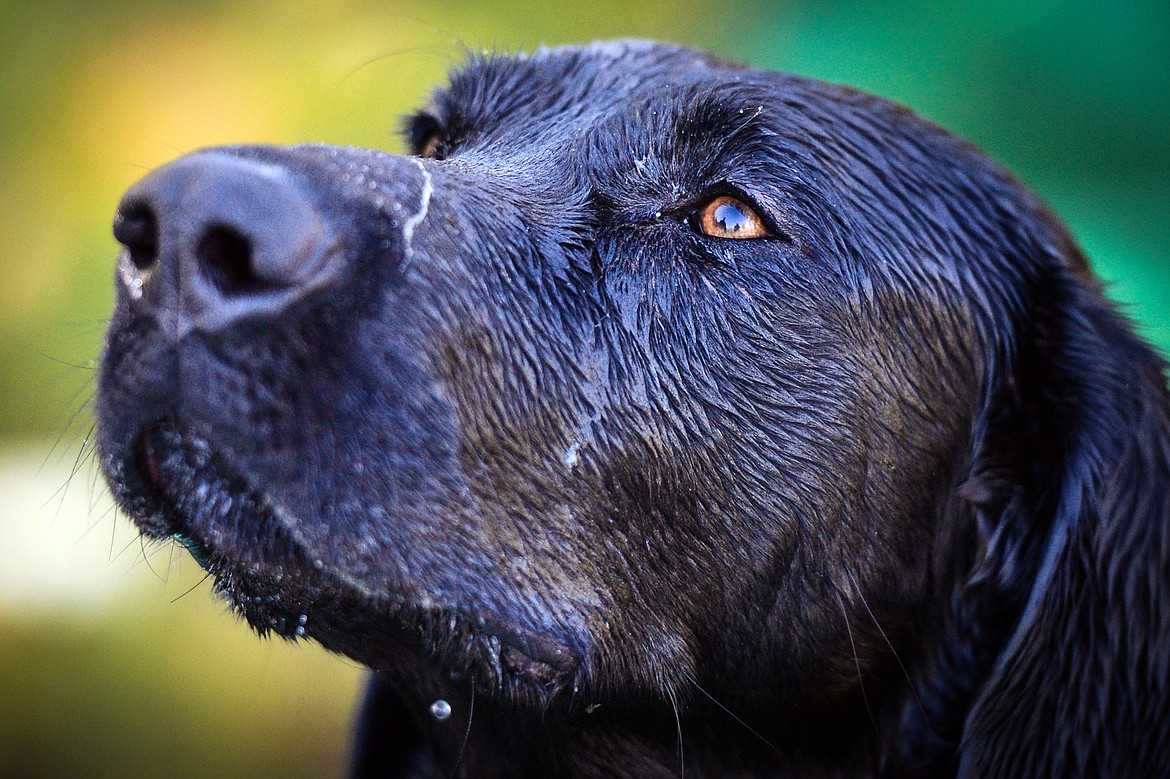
{"x":95,"y":484}
{"x":70,"y":423}
{"x":860,"y":677}
{"x":690,"y":678}
{"x":897,"y":657}
{"x":678,"y":730}
{"x":79,"y":461}
{"x":88,"y":365}
{"x":193,"y":587}
{"x":71,"y":409}
{"x":434,"y":50}
{"x":114,"y":534}
{"x":95,"y":523}
{"x":90,"y":326}
{"x":467,"y":731}
{"x":146,"y":557}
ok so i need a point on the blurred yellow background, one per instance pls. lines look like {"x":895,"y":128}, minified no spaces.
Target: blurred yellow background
{"x":114,"y":658}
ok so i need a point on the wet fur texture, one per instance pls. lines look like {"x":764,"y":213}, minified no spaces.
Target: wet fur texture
{"x":883,"y":494}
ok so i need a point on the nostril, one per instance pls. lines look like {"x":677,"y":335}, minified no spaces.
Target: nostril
{"x":136,"y":228}
{"x":226,"y":259}
{"x":211,"y":239}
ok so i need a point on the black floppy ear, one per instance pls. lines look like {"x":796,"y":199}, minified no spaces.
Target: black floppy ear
{"x":1054,"y":659}
{"x":1075,"y":512}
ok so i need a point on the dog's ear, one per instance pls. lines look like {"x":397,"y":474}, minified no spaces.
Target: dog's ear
{"x":1055,"y":656}
{"x":1082,"y":685}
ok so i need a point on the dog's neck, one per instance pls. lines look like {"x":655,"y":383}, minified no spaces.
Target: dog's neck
{"x":457,"y":731}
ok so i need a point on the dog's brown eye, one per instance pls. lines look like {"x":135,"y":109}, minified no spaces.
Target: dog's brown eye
{"x":430,"y":147}
{"x":729,"y":217}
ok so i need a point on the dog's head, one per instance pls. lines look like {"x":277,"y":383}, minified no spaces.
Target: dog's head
{"x":643,"y":372}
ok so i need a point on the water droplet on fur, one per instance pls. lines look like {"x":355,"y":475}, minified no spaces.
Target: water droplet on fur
{"x":440,"y":710}
{"x":303,"y":619}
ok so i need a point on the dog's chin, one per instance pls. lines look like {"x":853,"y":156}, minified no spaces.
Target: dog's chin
{"x":176,"y":487}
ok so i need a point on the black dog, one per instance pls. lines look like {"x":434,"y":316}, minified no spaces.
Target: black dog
{"x":659,"y":416}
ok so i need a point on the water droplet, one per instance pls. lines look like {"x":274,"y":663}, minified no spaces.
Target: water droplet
{"x":440,"y":710}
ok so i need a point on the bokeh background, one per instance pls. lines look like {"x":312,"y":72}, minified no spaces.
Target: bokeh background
{"x":114,"y":658}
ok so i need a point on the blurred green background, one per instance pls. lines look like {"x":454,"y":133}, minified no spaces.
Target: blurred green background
{"x":114,"y":659}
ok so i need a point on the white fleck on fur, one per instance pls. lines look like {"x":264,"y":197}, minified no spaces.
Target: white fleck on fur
{"x":425,"y":203}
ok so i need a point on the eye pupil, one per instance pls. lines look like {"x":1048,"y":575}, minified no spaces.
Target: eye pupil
{"x":730,"y":217}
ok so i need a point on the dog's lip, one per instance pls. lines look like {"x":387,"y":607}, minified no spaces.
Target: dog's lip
{"x":147,"y":466}
{"x":533,"y":646}
{"x":160,"y":492}
{"x":144,"y":479}
{"x":526,"y":652}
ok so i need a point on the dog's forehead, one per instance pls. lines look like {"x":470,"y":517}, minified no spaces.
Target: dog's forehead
{"x":667,"y":96}
{"x":573,"y":84}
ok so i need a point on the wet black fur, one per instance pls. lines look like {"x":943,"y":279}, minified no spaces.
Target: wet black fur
{"x":883,"y":494}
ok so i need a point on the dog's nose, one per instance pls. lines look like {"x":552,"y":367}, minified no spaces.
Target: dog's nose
{"x":211,"y":238}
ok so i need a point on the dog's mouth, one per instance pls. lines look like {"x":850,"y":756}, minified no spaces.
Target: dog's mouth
{"x":176,"y":487}
{"x":156,"y":491}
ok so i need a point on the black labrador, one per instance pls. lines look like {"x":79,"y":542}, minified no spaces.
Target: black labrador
{"x":658,"y":415}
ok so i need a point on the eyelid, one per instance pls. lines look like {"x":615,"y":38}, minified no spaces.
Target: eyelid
{"x":425,"y":130}
{"x":431,"y":145}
